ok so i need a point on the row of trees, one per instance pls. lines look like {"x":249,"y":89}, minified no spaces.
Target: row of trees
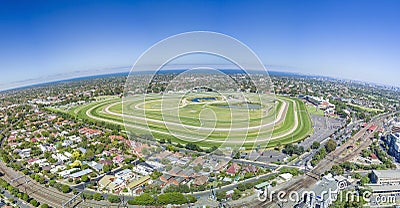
{"x":95,"y":196}
{"x":291,"y":149}
{"x":322,"y":152}
{"x":163,"y":199}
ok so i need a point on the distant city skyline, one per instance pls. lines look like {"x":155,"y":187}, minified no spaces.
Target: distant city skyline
{"x":356,"y":40}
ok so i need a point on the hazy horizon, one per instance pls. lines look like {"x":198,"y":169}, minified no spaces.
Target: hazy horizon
{"x":116,"y":70}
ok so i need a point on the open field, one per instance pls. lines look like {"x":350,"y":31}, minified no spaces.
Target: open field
{"x":205,"y":119}
{"x":314,"y":110}
{"x":366,"y":108}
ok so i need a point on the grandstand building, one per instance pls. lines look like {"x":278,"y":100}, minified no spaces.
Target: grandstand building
{"x":385,"y":177}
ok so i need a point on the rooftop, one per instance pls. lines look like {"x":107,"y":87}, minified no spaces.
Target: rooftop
{"x":262,"y":185}
{"x":139,"y":182}
{"x":81,"y":173}
{"x":387,"y":173}
{"x":324,"y":187}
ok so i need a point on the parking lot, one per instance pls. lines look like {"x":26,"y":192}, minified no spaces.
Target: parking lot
{"x":323,"y":128}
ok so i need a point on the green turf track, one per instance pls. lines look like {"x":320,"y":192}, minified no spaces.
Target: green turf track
{"x":304,"y":129}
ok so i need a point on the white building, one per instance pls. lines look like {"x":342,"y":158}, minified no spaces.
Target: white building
{"x":59,"y":157}
{"x":24,"y":153}
{"x":75,"y":139}
{"x":142,"y":170}
{"x":67,"y":143}
{"x":58,"y":168}
{"x":80,"y":173}
{"x":66,"y":173}
{"x":96,"y":166}
{"x":156,"y":165}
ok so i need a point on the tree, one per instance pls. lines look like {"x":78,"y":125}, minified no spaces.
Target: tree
{"x":315,"y":145}
{"x":330,"y":145}
{"x":194,"y":147}
{"x":273,"y":183}
{"x":171,"y":148}
{"x":221,"y":195}
{"x":85,"y":178}
{"x":106,"y":168}
{"x":87,"y":196}
{"x":291,"y":149}
{"x":114,"y":199}
{"x":191,"y":199}
{"x":337,"y":170}
{"x":25,"y":197}
{"x":52,"y":182}
{"x":34,"y":203}
{"x":144,"y":199}
{"x":365,"y":180}
{"x":184,"y":188}
{"x":76,"y":154}
{"x":366,"y":153}
{"x":241,"y":187}
{"x":89,"y":154}
{"x":293,"y":171}
{"x":44,"y":206}
{"x":65,"y":189}
{"x":97,"y":197}
{"x":236,"y":194}
{"x":155,"y":175}
{"x":248,"y":175}
{"x":198,"y":167}
{"x":172,"y":198}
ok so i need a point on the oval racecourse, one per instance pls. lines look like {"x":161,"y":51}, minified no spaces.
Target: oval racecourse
{"x":208,"y":122}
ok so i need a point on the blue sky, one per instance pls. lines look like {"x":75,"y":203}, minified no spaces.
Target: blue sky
{"x":346,"y":39}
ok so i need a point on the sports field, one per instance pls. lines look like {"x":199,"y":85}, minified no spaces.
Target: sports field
{"x":207,"y":119}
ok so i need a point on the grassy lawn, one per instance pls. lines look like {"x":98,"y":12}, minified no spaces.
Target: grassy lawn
{"x":314,"y":110}
{"x":366,"y":108}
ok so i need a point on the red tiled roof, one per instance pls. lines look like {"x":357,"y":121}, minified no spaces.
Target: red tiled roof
{"x":11,"y":138}
{"x":372,"y":127}
{"x":233,"y":169}
{"x":373,"y":156}
{"x":121,"y":138}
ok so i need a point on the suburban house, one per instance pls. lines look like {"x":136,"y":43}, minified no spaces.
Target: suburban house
{"x":199,"y":181}
{"x":233,"y":169}
{"x":135,"y":185}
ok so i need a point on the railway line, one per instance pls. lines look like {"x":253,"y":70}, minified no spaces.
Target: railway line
{"x":44,"y":194}
{"x":54,"y":199}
